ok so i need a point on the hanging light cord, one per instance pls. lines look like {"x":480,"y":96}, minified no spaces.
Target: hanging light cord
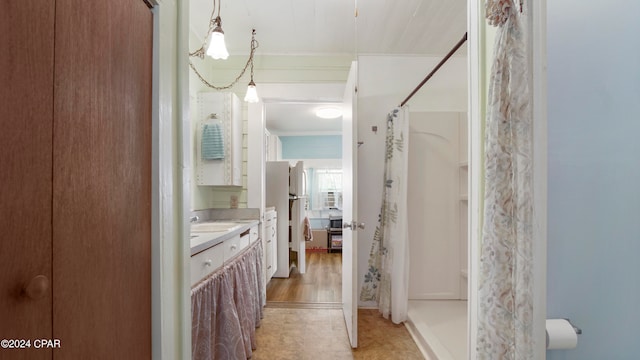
{"x":254,"y":46}
{"x":251,"y":55}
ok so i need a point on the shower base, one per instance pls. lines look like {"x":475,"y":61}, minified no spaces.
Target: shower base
{"x":439,"y":327}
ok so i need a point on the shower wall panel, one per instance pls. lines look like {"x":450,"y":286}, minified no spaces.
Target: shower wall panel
{"x":434,"y":205}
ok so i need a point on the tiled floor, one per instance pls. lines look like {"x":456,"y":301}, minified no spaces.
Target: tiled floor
{"x":317,"y":334}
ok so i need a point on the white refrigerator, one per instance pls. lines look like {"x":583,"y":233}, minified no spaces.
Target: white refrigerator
{"x":285,"y":190}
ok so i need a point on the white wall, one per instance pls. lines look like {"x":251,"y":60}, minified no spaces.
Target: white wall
{"x":383,"y":83}
{"x":270,"y":70}
{"x":201,"y":196}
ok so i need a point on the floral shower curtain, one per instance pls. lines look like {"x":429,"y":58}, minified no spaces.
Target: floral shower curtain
{"x":506,"y":279}
{"x":387,"y":278}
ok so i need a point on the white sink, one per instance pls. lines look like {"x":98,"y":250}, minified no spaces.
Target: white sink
{"x":214,"y":226}
{"x":203,"y":237}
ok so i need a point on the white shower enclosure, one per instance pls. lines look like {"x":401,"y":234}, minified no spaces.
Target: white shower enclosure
{"x":437,"y":205}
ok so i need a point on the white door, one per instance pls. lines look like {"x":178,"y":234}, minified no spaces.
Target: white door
{"x":298,"y":243}
{"x":350,"y":207}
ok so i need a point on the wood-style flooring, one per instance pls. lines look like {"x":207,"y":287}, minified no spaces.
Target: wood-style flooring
{"x":303,"y":320}
{"x":318,"y":334}
{"x":322,"y":282}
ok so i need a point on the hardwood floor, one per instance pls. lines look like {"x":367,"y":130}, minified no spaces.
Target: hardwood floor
{"x":322,"y":283}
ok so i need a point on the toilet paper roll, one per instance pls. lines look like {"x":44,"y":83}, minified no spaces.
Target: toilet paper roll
{"x":560,"y":335}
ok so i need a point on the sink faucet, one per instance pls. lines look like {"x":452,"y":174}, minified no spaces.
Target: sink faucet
{"x":194,"y":219}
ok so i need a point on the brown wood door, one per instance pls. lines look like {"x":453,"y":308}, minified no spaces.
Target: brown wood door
{"x":75,"y":178}
{"x":26,"y":103}
{"x":102,"y":180}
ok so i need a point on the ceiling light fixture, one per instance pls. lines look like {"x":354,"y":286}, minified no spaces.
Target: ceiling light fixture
{"x":252,"y":93}
{"x":329,"y":112}
{"x":217,"y":50}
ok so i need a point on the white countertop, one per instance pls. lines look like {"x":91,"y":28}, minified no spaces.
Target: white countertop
{"x":204,"y":238}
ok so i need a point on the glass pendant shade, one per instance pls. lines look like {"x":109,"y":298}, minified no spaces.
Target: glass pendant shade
{"x":252,"y":94}
{"x":217,"y":49}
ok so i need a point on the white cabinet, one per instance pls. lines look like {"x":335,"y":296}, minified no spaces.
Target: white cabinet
{"x":207,"y":261}
{"x":204,"y":263}
{"x":273,"y":147}
{"x":224,"y":111}
{"x":233,"y":246}
{"x":254,"y":234}
{"x":271,"y":237}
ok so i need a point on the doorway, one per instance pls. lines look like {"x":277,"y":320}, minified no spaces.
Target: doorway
{"x":293,"y":133}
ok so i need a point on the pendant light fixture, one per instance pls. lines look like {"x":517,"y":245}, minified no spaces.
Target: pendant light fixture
{"x":216,"y":48}
{"x":252,"y":94}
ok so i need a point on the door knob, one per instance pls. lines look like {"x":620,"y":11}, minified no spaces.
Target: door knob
{"x":37,"y":288}
{"x":361,"y":226}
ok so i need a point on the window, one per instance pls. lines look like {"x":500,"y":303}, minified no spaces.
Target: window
{"x":329,"y":189}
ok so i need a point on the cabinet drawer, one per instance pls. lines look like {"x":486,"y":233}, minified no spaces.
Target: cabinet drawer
{"x":206,"y":262}
{"x":233,"y":247}
{"x":254,"y":234}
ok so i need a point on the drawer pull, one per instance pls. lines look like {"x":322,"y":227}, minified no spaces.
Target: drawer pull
{"x":269,"y":267}
{"x":233,"y":247}
{"x":208,"y":262}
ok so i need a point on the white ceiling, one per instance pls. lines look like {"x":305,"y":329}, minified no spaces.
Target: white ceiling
{"x":290,"y":108}
{"x":292,"y":118}
{"x":325,"y":27}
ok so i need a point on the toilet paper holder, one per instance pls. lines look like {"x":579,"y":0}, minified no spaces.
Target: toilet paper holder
{"x":575,"y":328}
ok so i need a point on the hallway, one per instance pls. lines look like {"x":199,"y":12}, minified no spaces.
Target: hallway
{"x":303,"y":320}
{"x":322,"y":283}
{"x":317,"y":334}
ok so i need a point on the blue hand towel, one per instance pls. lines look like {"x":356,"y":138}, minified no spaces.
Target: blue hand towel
{"x":212,"y":142}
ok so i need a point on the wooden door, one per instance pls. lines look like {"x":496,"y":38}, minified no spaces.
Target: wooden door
{"x":26,"y":98}
{"x":102,"y":180}
{"x":75,"y":178}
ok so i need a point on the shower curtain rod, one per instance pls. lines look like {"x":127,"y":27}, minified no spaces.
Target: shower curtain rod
{"x":435,"y":69}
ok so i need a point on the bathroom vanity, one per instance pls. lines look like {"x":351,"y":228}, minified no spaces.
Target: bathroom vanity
{"x":213,"y":243}
{"x":227,"y":288}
